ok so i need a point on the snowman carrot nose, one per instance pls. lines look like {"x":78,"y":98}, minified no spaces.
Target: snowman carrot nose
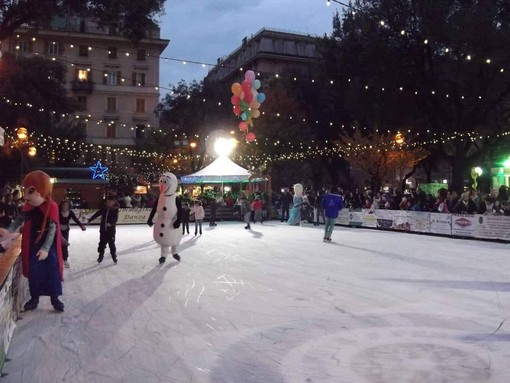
{"x":161,"y":188}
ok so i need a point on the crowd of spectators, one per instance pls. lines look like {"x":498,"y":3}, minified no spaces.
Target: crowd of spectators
{"x":468,"y":202}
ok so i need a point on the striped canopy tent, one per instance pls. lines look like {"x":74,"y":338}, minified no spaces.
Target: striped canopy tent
{"x":221,"y":170}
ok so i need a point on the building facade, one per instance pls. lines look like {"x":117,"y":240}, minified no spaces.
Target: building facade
{"x":114,"y":82}
{"x":269,"y":51}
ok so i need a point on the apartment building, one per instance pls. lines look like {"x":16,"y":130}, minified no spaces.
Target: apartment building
{"x":114,"y":81}
{"x":270,"y":52}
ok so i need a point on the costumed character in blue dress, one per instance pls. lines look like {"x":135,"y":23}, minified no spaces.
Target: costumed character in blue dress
{"x":295,"y":212}
{"x":41,"y":255}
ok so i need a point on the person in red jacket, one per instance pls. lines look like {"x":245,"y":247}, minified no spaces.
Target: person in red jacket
{"x":41,"y":256}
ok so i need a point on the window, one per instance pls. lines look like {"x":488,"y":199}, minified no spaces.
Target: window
{"x":111,"y":129}
{"x":82,"y":74}
{"x":112,"y":53}
{"x":140,"y":105}
{"x":141,"y":54}
{"x":111,"y":104}
{"x":111,"y":78}
{"x":83,"y":51}
{"x":82,"y":102}
{"x":53,"y":48}
{"x":23,"y":47}
{"x":138,"y":79}
{"x":83,"y":26}
{"x":140,"y":131}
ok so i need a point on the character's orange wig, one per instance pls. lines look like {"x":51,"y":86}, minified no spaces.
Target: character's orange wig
{"x":42,"y":184}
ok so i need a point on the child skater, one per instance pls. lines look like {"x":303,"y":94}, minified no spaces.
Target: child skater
{"x":185,"y":218}
{"x":109,"y":213}
{"x":65,"y":215}
{"x":41,"y":256}
{"x":198,"y":211}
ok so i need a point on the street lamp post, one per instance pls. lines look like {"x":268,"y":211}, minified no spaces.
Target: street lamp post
{"x":192,"y":146}
{"x":328,"y":3}
{"x":21,"y":143}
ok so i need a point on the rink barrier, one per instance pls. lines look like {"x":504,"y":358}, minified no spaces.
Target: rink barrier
{"x":13,"y":293}
{"x":481,"y":226}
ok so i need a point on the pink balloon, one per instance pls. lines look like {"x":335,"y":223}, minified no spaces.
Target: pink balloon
{"x":246,"y":87}
{"x":237,"y":110}
{"x":249,"y":75}
{"x":250,"y":137}
{"x":256,"y":113}
{"x":243,"y":126}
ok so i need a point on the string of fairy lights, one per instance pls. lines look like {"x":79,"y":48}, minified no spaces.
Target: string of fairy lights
{"x":467,"y":57}
{"x":296,"y":151}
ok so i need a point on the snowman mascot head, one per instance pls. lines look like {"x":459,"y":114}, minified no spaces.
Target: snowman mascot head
{"x":167,"y":184}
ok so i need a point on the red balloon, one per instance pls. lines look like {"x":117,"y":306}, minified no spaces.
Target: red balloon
{"x":237,"y":110}
{"x":248,"y":97}
{"x":250,"y":137}
{"x":243,"y":126}
{"x":235,"y":100}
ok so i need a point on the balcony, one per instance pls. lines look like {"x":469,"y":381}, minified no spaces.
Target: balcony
{"x":82,"y":86}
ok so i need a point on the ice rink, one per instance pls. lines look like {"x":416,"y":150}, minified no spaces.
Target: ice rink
{"x":273,"y":305}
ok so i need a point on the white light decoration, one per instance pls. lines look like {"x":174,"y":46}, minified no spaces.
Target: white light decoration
{"x":223,"y":146}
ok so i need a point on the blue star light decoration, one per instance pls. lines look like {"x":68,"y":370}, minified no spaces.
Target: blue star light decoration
{"x":98,"y":171}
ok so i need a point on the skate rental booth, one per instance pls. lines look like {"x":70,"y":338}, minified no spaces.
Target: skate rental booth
{"x":230,"y":175}
{"x":224,"y":171}
{"x":221,"y":171}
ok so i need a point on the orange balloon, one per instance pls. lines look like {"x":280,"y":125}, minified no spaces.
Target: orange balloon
{"x":236,"y":89}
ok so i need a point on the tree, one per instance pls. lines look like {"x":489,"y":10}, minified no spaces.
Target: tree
{"x":24,"y":83}
{"x":132,"y":18}
{"x":33,"y":81}
{"x":195,"y":114}
{"x":437,"y":69}
{"x":381,"y":156}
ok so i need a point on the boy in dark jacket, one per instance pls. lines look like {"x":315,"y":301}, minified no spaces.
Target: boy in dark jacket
{"x":109,"y":213}
{"x":65,"y":214}
{"x":185,"y":218}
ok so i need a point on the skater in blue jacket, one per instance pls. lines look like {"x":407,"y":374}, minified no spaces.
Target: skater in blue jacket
{"x":332,"y":204}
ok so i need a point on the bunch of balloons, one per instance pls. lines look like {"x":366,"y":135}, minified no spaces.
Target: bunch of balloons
{"x":246,"y":102}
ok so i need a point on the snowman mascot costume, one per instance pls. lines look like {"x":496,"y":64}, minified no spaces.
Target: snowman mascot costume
{"x":168,"y":207}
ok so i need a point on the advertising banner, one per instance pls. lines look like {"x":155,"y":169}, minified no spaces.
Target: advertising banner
{"x":126,"y":216}
{"x":463,"y":225}
{"x":492,"y":227}
{"x":440,"y":223}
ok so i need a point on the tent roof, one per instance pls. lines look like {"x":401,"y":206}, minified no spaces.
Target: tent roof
{"x":221,"y":170}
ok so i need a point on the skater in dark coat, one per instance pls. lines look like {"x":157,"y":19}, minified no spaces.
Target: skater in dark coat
{"x":109,"y":213}
{"x":185,"y":218}
{"x":65,"y":215}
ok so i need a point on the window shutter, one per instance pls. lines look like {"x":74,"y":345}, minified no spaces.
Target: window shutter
{"x":119,"y":78}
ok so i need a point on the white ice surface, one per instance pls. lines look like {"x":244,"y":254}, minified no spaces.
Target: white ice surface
{"x":274,"y":304}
